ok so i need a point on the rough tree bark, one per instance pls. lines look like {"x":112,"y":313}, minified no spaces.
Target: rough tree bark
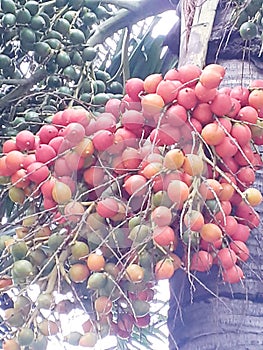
{"x":215,"y":315}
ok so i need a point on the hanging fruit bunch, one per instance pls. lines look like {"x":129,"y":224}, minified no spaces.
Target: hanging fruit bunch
{"x":161,"y":180}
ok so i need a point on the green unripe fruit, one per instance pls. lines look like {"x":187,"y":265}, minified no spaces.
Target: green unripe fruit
{"x":9,"y":20}
{"x":88,"y":54}
{"x":63,"y":26}
{"x":97,"y":280}
{"x":89,"y":18}
{"x":76,"y":37}
{"x":23,"y":16}
{"x":8,"y":6}
{"x":27,"y":35}
{"x":91,"y":4}
{"x":42,"y":49}
{"x":55,"y":241}
{"x":22,"y":269}
{"x":140,"y":307}
{"x":14,"y":318}
{"x":248,"y":30}
{"x":45,"y":301}
{"x":100,"y":99}
{"x":79,"y":250}
{"x":63,"y":59}
{"x":25,"y":336}
{"x":32,"y":6}
{"x":73,"y":338}
{"x":5,"y":61}
{"x":19,"y":250}
{"x":38,"y":22}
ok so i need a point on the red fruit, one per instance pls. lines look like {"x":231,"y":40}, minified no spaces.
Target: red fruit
{"x":242,"y":233}
{"x":247,"y":215}
{"x":235,"y":108}
{"x":128,"y":103}
{"x":229,"y":225}
{"x":255,"y":99}
{"x":227,"y":148}
{"x":178,"y":192}
{"x":45,"y":153}
{"x":241,"y":94}
{"x":152,"y":105}
{"x":77,"y":115}
{"x":9,"y":145}
{"x":135,"y":185}
{"x":94,"y":176}
{"x":168,"y":90}
{"x":162,"y":216}
{"x":132,"y":120}
{"x":176,"y":115}
{"x":102,"y":140}
{"x":74,"y":161}
{"x":204,"y":94}
{"x":233,"y":275}
{"x":134,"y":87}
{"x":221,"y":105}
{"x":189,"y":74}
{"x":106,"y":121}
{"x":19,"y":179}
{"x":203,"y":113}
{"x":25,"y":140}
{"x":107,"y":208}
{"x":47,"y":133}
{"x":245,"y":156}
{"x":210,"y":232}
{"x":201,"y":261}
{"x":28,"y":159}
{"x":187,"y":98}
{"x":37,"y":172}
{"x":242,"y":133}
{"x":143,"y":322}
{"x":210,"y":78}
{"x":74,"y":133}
{"x":246,"y":176}
{"x":248,"y":114}
{"x":131,"y":158}
{"x":115,"y":107}
{"x":172,"y":74}
{"x":241,"y":250}
{"x":164,"y":235}
{"x":61,"y":168}
{"x":165,"y":135}
{"x":213,"y":134}
{"x":47,"y":187}
{"x":128,"y":137}
{"x":57,"y":119}
{"x":14,"y":161}
{"x":151,"y":82}
{"x":194,"y":220}
{"x":226,"y":258}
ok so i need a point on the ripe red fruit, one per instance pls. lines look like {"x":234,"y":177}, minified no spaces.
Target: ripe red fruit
{"x":233,"y":275}
{"x":114,"y":106}
{"x":25,"y":140}
{"x":135,"y":185}
{"x":221,"y":105}
{"x":14,"y":160}
{"x":162,"y":216}
{"x":74,"y":133}
{"x":176,"y":115}
{"x":201,"y":261}
{"x":248,"y":114}
{"x":132,"y":120}
{"x":241,"y":250}
{"x":240,"y":93}
{"x":213,"y":134}
{"x":210,"y":78}
{"x":47,"y":132}
{"x":189,"y":74}
{"x":102,"y":140}
{"x":45,"y":153}
{"x":204,"y":94}
{"x":164,"y":235}
{"x":226,"y":258}
{"x":172,"y":74}
{"x":168,"y":90}
{"x":76,"y":115}
{"x":151,"y":82}
{"x":134,"y":87}
{"x":107,"y":208}
{"x":242,"y":133}
{"x":187,"y":98}
{"x":37,"y":172}
{"x":9,"y":145}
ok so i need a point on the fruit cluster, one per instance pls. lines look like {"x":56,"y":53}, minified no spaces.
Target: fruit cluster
{"x":161,"y":180}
